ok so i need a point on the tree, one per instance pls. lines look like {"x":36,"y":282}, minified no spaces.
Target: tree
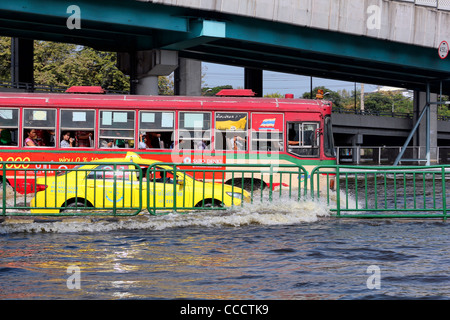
{"x":207,"y":91}
{"x":387,"y":102}
{"x":166,"y":85}
{"x":330,"y":95}
{"x":274,"y":95}
{"x":64,"y":64}
{"x":5,"y":59}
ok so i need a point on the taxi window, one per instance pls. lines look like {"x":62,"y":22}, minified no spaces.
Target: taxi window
{"x":108,"y":172}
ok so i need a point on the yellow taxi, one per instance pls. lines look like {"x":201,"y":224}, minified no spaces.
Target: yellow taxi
{"x":125,"y":184}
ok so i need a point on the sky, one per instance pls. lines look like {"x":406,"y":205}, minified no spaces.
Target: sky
{"x":273,"y":82}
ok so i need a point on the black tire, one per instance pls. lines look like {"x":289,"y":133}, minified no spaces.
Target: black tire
{"x":76,"y":204}
{"x":208,"y":203}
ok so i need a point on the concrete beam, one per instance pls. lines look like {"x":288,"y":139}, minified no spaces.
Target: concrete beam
{"x":398,"y":21}
{"x":144,"y":67}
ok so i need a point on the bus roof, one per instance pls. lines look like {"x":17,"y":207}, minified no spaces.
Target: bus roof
{"x":113,"y":101}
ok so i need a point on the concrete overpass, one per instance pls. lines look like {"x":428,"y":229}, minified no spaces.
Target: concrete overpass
{"x":372,"y":41}
{"x":367,"y":130}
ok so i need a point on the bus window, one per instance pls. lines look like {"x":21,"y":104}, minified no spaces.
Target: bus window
{"x":231,"y":131}
{"x":267,"y":132}
{"x":116,"y":129}
{"x":9,"y":127}
{"x":156,"y":129}
{"x":39,"y":127}
{"x":303,"y":139}
{"x":194,"y":130}
{"x":80,"y":124}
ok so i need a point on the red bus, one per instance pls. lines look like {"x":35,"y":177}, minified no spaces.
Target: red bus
{"x":232,"y":127}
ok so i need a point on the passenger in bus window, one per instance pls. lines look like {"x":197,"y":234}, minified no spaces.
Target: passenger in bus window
{"x":201,"y":145}
{"x":293,"y":135}
{"x":107,"y":143}
{"x":83,"y":139}
{"x":142,"y":141}
{"x":48,"y":138}
{"x":30,"y":140}
{"x":67,"y":141}
{"x":156,"y":141}
{"x":5,"y":137}
{"x":182,"y":144}
{"x":119,"y":143}
{"x":238,"y":143}
{"x":293,"y":139}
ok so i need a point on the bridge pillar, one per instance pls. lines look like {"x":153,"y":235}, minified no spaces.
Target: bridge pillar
{"x":22,"y":55}
{"x":253,"y":79}
{"x":188,"y":78}
{"x":357,"y":141}
{"x":144,"y":67}
{"x":425,"y":132}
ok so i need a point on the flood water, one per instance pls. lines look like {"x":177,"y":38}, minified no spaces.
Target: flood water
{"x":282,"y":250}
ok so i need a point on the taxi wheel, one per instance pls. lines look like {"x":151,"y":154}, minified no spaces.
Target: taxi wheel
{"x":208,"y":203}
{"x":77,"y":204}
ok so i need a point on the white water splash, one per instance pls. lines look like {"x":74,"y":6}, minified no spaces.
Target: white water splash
{"x":276,"y":212}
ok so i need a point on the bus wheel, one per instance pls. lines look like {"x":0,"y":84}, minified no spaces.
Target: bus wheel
{"x":246,"y":184}
{"x":208,"y":203}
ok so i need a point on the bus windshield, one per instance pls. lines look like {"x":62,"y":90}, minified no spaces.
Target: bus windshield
{"x":328,"y":138}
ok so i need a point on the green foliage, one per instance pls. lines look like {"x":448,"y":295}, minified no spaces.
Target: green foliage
{"x":330,"y":95}
{"x":64,"y":64}
{"x":274,"y":95}
{"x":207,"y":91}
{"x":373,"y":101}
{"x":166,"y":86}
{"x":5,"y":59}
{"x":388,"y":102}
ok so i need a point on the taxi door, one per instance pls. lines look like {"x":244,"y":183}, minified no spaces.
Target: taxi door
{"x":110,"y":186}
{"x":162,"y":188}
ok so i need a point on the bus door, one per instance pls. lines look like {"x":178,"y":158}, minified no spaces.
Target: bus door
{"x":303,"y":137}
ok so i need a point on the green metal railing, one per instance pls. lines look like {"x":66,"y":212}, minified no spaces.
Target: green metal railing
{"x":384,"y":192}
{"x":68,"y":195}
{"x":262,"y":182}
{"x":126,"y":189}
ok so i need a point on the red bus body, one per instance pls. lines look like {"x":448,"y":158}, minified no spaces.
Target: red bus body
{"x":260,"y":122}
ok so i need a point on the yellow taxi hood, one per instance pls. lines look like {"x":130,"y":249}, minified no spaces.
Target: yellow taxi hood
{"x":130,"y":157}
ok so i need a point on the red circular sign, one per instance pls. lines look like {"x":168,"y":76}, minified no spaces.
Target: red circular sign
{"x":443,"y":49}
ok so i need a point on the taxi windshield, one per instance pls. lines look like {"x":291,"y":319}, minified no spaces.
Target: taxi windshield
{"x":65,"y":171}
